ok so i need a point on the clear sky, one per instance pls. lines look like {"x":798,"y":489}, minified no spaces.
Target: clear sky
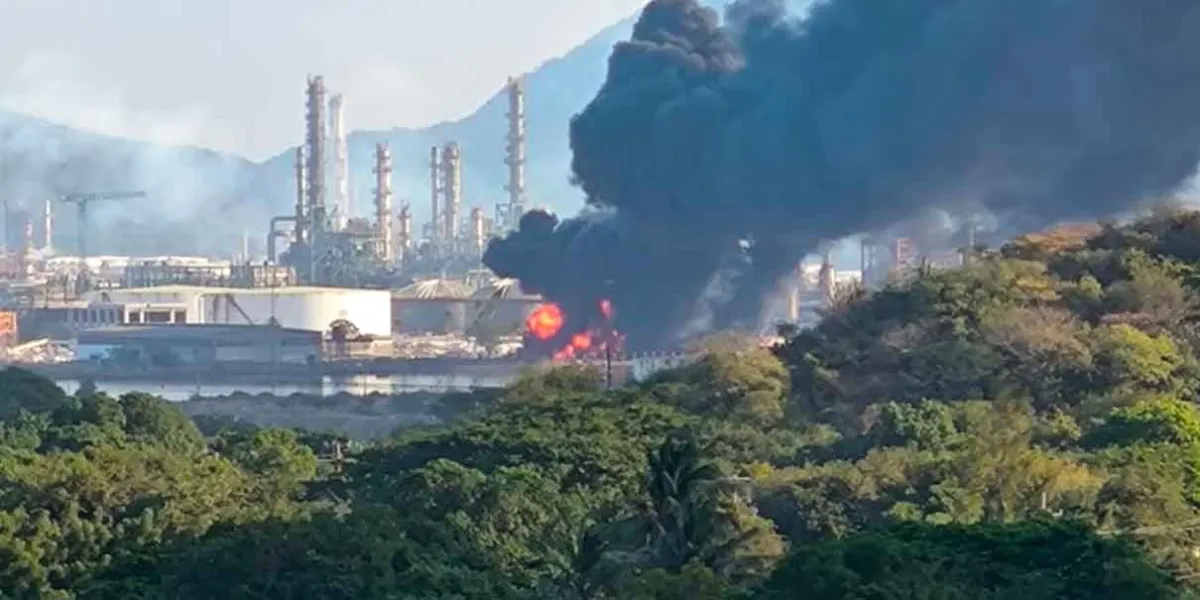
{"x":230,"y":74}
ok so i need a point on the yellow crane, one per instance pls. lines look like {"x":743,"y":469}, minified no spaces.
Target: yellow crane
{"x":81,"y":201}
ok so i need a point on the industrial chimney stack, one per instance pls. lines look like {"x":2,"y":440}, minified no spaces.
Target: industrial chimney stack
{"x":478,"y":232}
{"x":452,"y":189}
{"x":515,"y":150}
{"x":383,"y":203}
{"x":435,"y":188}
{"x":315,"y":141}
{"x":404,"y":233}
{"x":301,"y":215}
{"x":341,"y":159}
{"x":48,"y":227}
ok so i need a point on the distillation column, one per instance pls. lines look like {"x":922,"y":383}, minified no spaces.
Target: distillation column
{"x":478,"y":231}
{"x":435,"y":189}
{"x":383,"y":204}
{"x":315,"y":140}
{"x":404,"y":233}
{"x":48,"y":227}
{"x":452,"y":190}
{"x":301,"y":225}
{"x":515,"y":151}
{"x":341,"y":159}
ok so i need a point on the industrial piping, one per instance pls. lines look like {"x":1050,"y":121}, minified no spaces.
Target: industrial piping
{"x":274,"y":232}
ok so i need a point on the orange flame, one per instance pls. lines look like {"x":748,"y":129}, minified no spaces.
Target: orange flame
{"x":581,"y":341}
{"x":545,"y":321}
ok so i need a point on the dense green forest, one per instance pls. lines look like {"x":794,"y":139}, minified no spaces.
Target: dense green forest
{"x":1023,"y":427}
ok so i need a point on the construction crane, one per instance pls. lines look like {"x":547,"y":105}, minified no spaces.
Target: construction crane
{"x":81,"y":201}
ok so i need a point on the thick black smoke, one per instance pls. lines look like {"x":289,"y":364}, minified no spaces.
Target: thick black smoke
{"x":784,"y":131}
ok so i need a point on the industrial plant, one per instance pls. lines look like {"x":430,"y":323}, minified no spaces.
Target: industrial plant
{"x":334,"y":286}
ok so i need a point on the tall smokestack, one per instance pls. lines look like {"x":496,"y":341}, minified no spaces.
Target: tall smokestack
{"x":515,"y":150}
{"x":301,"y":215}
{"x":383,"y":203}
{"x":404,"y":233}
{"x":435,"y":190}
{"x":48,"y":226}
{"x":315,"y":140}
{"x":341,"y":158}
{"x":452,"y":176}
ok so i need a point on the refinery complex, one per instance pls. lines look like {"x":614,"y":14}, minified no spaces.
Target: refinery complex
{"x":333,"y":288}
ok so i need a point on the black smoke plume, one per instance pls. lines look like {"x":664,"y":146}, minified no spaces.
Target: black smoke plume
{"x":716,"y":155}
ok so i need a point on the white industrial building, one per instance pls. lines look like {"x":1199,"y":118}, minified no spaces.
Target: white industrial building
{"x":303,"y":308}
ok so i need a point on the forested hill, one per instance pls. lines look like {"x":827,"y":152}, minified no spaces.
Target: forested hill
{"x":1024,"y":427}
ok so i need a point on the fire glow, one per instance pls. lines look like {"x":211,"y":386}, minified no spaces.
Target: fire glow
{"x":547,"y":321}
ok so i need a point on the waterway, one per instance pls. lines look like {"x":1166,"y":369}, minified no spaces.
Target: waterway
{"x":328,"y":386}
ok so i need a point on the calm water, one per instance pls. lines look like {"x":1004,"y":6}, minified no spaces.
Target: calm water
{"x":358,"y":384}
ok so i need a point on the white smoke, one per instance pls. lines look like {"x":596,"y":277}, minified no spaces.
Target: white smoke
{"x":116,"y":148}
{"x":61,"y":88}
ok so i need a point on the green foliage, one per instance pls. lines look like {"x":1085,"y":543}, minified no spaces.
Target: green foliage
{"x":1023,"y":427}
{"x":693,"y":582}
{"x":275,"y":457}
{"x":733,"y":379}
{"x":1035,"y":560}
{"x":151,"y":420}
{"x":21,"y":390}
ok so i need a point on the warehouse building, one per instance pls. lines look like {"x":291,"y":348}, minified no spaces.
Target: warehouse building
{"x":173,"y":345}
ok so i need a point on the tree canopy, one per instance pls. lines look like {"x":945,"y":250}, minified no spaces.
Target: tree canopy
{"x":1025,"y":426}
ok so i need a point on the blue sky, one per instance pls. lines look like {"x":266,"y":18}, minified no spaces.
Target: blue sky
{"x":230,"y":74}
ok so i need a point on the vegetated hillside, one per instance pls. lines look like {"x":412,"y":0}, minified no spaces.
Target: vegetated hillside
{"x":1022,"y":427}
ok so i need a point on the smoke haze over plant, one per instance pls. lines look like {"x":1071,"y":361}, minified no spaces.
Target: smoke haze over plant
{"x":785,"y":131}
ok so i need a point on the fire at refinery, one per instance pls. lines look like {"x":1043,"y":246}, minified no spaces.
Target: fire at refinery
{"x":547,"y":332}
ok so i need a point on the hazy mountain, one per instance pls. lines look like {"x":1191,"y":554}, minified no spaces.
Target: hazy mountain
{"x":200,"y":201}
{"x":40,"y":160}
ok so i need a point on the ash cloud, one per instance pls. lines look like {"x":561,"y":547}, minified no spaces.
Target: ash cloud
{"x":785,"y":130}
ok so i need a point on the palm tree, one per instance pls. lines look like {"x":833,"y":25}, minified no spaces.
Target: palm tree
{"x":681,"y":515}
